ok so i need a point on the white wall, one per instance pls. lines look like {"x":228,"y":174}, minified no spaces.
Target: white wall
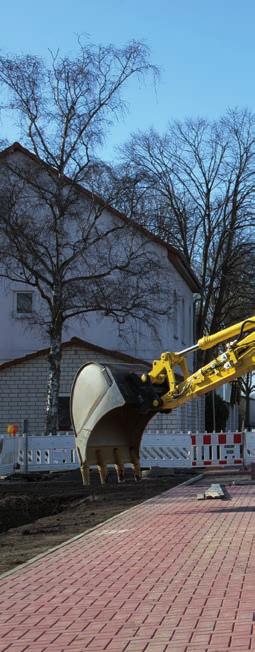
{"x":23,"y":388}
{"x":139,"y":339}
{"x":173,"y":331}
{"x":18,"y":336}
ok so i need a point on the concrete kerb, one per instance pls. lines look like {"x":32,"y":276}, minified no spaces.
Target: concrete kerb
{"x":90,"y":531}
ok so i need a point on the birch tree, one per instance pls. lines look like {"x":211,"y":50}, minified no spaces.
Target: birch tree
{"x":55,"y":236}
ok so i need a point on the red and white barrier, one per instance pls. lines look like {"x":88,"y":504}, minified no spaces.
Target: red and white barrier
{"x":169,"y":450}
{"x":217,"y":449}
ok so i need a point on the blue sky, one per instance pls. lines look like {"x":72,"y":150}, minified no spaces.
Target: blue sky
{"x":205,"y":51}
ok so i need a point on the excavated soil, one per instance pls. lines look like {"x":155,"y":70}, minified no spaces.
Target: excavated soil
{"x":41,"y":512}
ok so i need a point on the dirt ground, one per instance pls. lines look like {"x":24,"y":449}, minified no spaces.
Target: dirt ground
{"x":43,"y":512}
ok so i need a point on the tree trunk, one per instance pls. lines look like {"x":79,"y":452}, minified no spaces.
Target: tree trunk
{"x":51,"y":425}
{"x":247,"y":410}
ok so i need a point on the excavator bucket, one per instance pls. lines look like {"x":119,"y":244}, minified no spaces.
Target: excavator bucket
{"x":110,"y":408}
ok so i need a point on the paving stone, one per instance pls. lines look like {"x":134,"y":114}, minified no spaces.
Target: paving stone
{"x":170,"y":575}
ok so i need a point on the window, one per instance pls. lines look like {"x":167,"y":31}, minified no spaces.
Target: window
{"x":64,"y":419}
{"x":24,"y":303}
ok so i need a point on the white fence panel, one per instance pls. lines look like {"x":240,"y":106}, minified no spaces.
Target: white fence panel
{"x":249,"y":448}
{"x":52,"y":453}
{"x":27,"y":453}
{"x":165,"y":451}
{"x":9,"y":449}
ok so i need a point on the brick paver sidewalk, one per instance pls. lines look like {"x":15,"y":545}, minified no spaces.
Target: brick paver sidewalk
{"x":172,"y":574}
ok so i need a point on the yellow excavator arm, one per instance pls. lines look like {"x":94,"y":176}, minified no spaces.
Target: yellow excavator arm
{"x":111,"y":405}
{"x":237,"y":359}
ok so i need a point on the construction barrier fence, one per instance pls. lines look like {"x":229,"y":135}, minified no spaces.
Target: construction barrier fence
{"x":30,"y":453}
{"x":217,"y":449}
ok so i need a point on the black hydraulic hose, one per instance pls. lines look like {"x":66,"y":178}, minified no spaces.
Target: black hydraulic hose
{"x":247,"y":321}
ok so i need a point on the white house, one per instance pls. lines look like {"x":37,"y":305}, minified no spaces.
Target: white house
{"x":174,"y":331}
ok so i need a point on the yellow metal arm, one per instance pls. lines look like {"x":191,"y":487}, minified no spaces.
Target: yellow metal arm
{"x":237,"y":359}
{"x":111,"y":406}
{"x":208,"y":341}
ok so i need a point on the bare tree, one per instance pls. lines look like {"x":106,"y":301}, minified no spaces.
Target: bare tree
{"x":56,"y":236}
{"x":195,"y":187}
{"x":247,"y":386}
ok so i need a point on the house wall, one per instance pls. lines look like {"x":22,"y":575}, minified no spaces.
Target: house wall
{"x":23,"y":393}
{"x":18,"y":336}
{"x":172,"y":331}
{"x":139,"y":339}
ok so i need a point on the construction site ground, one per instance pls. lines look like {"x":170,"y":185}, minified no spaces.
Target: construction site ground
{"x":171,"y":574}
{"x":44,"y":510}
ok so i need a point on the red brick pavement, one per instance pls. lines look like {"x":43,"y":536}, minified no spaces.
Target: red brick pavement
{"x":170,"y":575}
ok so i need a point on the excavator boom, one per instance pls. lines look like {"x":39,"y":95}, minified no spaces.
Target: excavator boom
{"x":111,"y":405}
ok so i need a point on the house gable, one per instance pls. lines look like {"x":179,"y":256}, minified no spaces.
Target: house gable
{"x":175,"y":257}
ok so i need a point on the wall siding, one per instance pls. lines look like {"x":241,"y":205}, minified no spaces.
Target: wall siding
{"x":23,"y":393}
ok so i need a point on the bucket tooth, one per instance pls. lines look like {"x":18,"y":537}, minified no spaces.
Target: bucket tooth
{"x":84,"y":468}
{"x":135,"y":464}
{"x":120,"y":469}
{"x":85,"y":473}
{"x":102,"y":467}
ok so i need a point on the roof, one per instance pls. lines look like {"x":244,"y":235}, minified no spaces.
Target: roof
{"x":176,"y":257}
{"x":78,"y":343}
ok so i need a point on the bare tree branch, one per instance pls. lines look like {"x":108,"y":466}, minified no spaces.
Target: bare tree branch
{"x":195,"y":187}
